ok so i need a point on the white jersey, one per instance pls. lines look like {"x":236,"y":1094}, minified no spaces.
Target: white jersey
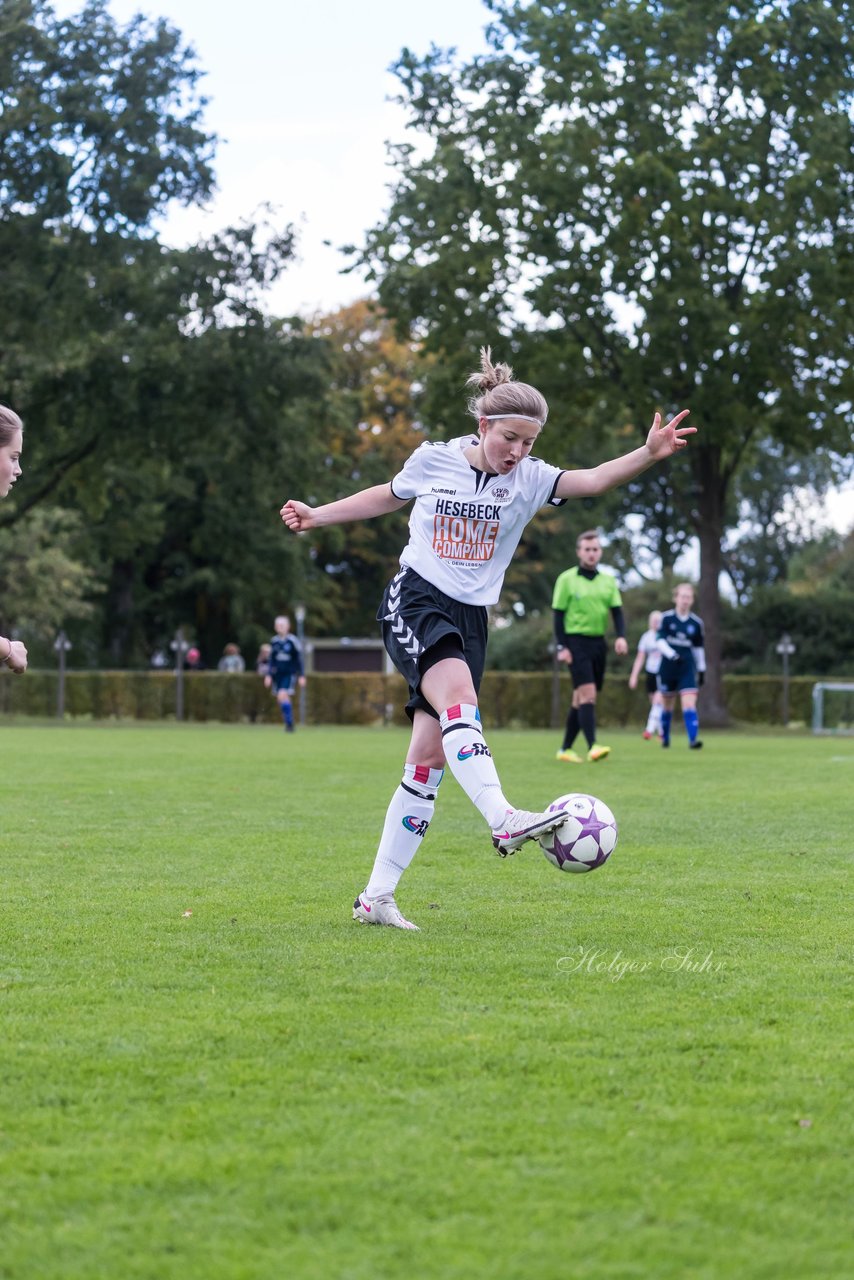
{"x":466,"y":524}
{"x":648,"y":644}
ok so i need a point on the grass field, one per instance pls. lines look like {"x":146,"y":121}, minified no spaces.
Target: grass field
{"x":642,"y":1072}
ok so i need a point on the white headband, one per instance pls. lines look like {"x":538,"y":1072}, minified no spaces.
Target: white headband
{"x":493,"y":417}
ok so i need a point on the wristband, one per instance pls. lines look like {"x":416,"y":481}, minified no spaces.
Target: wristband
{"x":9,"y":654}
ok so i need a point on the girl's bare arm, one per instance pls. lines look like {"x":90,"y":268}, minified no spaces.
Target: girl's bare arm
{"x":378,"y":501}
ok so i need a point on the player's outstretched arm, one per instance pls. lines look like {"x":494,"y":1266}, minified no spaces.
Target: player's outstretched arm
{"x":378,"y":501}
{"x":662,"y":442}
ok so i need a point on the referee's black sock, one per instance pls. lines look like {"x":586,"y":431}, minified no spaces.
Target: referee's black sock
{"x":572,"y":727}
{"x":587,"y":720}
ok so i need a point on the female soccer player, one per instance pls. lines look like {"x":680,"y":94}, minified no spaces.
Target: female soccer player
{"x":683,"y":664}
{"x":473,"y":497}
{"x":12,"y":652}
{"x":649,"y":658}
{"x":284,"y":669}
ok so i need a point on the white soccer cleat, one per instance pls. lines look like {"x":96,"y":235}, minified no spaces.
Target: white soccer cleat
{"x":382,"y":910}
{"x":520,"y":826}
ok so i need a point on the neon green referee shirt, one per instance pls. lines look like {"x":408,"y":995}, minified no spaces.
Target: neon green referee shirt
{"x":586,"y":602}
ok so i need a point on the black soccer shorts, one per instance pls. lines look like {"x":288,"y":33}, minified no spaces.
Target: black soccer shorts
{"x":588,"y":659}
{"x":415,"y":617}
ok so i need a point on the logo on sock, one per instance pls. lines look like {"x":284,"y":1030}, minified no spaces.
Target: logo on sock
{"x":474,"y":749}
{"x":456,"y":713}
{"x":418,"y":826}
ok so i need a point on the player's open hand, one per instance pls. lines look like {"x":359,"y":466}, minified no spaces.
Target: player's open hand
{"x":662,"y":441}
{"x":297,"y":516}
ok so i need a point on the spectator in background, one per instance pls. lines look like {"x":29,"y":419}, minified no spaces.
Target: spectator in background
{"x":193,"y":660}
{"x":262,"y":662}
{"x":231,"y":660}
{"x":12,"y":652}
{"x":262,"y":668}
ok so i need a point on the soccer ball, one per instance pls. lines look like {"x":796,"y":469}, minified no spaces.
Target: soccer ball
{"x":585,"y":839}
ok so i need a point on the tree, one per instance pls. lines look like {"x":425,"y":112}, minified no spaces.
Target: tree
{"x":142,"y":372}
{"x":818,"y":623}
{"x":825,"y":564}
{"x":100,"y":129}
{"x":44,"y":583}
{"x":188,"y":533}
{"x":371,"y":426}
{"x":657,"y":199}
{"x":776,"y":512}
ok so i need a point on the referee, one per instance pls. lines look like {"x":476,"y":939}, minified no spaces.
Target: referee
{"x":581,"y":601}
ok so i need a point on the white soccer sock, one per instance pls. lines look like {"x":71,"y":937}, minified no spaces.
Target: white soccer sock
{"x":406,"y":821}
{"x":653,"y":720}
{"x":470,"y":762}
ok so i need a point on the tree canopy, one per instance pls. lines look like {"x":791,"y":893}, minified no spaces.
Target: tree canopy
{"x":155,"y":386}
{"x":651,"y":205}
{"x":641,"y":206}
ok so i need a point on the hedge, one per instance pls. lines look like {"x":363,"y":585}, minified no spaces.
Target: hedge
{"x":508,"y":698}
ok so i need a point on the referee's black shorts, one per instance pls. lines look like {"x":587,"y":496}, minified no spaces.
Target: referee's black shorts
{"x":588,"y":659}
{"x":420,"y":625}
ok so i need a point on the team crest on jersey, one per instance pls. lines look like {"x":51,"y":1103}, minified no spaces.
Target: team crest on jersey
{"x":500,"y":494}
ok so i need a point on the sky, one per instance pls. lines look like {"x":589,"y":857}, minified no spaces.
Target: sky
{"x":300,"y":96}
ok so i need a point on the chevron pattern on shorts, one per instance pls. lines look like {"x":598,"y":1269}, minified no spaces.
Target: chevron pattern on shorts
{"x":404,"y":634}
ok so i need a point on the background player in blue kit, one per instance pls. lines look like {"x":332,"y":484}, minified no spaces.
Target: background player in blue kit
{"x":284,"y":669}
{"x":683,"y":664}
{"x":472,"y":497}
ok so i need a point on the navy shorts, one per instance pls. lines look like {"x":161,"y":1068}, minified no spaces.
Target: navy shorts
{"x":589,"y":654}
{"x":416,"y":617}
{"x":285,"y":684}
{"x":677,"y":677}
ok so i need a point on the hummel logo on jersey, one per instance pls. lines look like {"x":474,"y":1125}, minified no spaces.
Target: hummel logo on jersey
{"x":418,"y":826}
{"x":452,"y":492}
{"x":474,"y":749}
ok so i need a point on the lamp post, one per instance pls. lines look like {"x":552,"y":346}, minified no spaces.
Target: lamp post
{"x":179,"y":646}
{"x":62,"y":644}
{"x":785,"y":648}
{"x":299,"y":614}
